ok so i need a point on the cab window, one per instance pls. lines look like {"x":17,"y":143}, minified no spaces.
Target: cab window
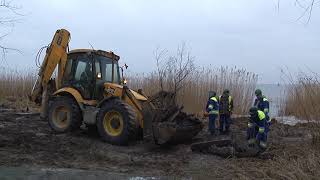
{"x":81,"y":69}
{"x":107,"y":71}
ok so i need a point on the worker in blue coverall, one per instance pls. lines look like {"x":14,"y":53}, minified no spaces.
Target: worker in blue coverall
{"x":262,"y":103}
{"x":213,"y":110}
{"x":256,"y":132}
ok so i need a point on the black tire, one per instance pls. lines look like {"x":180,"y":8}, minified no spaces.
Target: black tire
{"x":129,"y":127}
{"x":73,"y":119}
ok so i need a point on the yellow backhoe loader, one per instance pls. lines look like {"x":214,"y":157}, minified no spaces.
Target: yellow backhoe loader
{"x":88,"y":89}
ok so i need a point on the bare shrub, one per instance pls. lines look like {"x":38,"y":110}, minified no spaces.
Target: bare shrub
{"x":177,"y":73}
{"x":174,"y":70}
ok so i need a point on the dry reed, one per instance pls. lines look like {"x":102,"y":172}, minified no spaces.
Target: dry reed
{"x":194,"y":94}
{"x":303,"y":97}
{"x":16,"y":83}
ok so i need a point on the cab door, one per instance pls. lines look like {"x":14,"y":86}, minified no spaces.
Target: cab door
{"x":80,"y":74}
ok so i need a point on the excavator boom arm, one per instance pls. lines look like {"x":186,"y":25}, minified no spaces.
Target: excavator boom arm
{"x":56,"y":55}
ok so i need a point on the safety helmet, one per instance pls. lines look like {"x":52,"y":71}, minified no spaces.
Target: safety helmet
{"x":226,"y":91}
{"x":253,"y":110}
{"x":212,"y":93}
{"x":258,"y":92}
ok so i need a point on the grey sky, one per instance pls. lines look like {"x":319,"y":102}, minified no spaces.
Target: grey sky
{"x":247,"y":33}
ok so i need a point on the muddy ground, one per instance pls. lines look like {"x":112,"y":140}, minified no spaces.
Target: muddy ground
{"x":27,"y":141}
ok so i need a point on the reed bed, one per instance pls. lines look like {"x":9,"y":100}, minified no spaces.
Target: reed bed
{"x":303,"y":97}
{"x":16,"y":83}
{"x":194,"y":93}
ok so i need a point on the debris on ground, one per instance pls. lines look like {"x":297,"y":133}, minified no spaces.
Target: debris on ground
{"x":233,"y":145}
{"x":27,"y":141}
{"x":175,"y":126}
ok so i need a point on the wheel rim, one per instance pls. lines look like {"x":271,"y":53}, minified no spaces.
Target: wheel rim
{"x":113,"y":123}
{"x":61,"y":117}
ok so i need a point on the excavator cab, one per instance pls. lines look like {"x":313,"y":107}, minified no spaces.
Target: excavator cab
{"x":87,"y":71}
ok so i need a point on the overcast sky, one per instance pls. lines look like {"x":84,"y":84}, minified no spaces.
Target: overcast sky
{"x":251,"y":34}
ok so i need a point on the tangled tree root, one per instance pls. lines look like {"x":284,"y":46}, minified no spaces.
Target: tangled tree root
{"x":226,"y":147}
{"x":168,"y":115}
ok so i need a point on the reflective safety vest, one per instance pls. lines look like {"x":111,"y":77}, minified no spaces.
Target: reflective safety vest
{"x":261,"y":115}
{"x":262,"y":105}
{"x":211,"y":106}
{"x":229,"y":98}
{"x":214,"y":99}
{"x":266,"y":109}
{"x":229,"y":101}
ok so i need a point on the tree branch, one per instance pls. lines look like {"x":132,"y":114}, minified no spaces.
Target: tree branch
{"x":13,"y":8}
{"x":4,"y":21}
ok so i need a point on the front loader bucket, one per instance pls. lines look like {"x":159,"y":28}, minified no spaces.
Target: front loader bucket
{"x":173,"y":132}
{"x":168,"y":125}
{"x":163,"y":133}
